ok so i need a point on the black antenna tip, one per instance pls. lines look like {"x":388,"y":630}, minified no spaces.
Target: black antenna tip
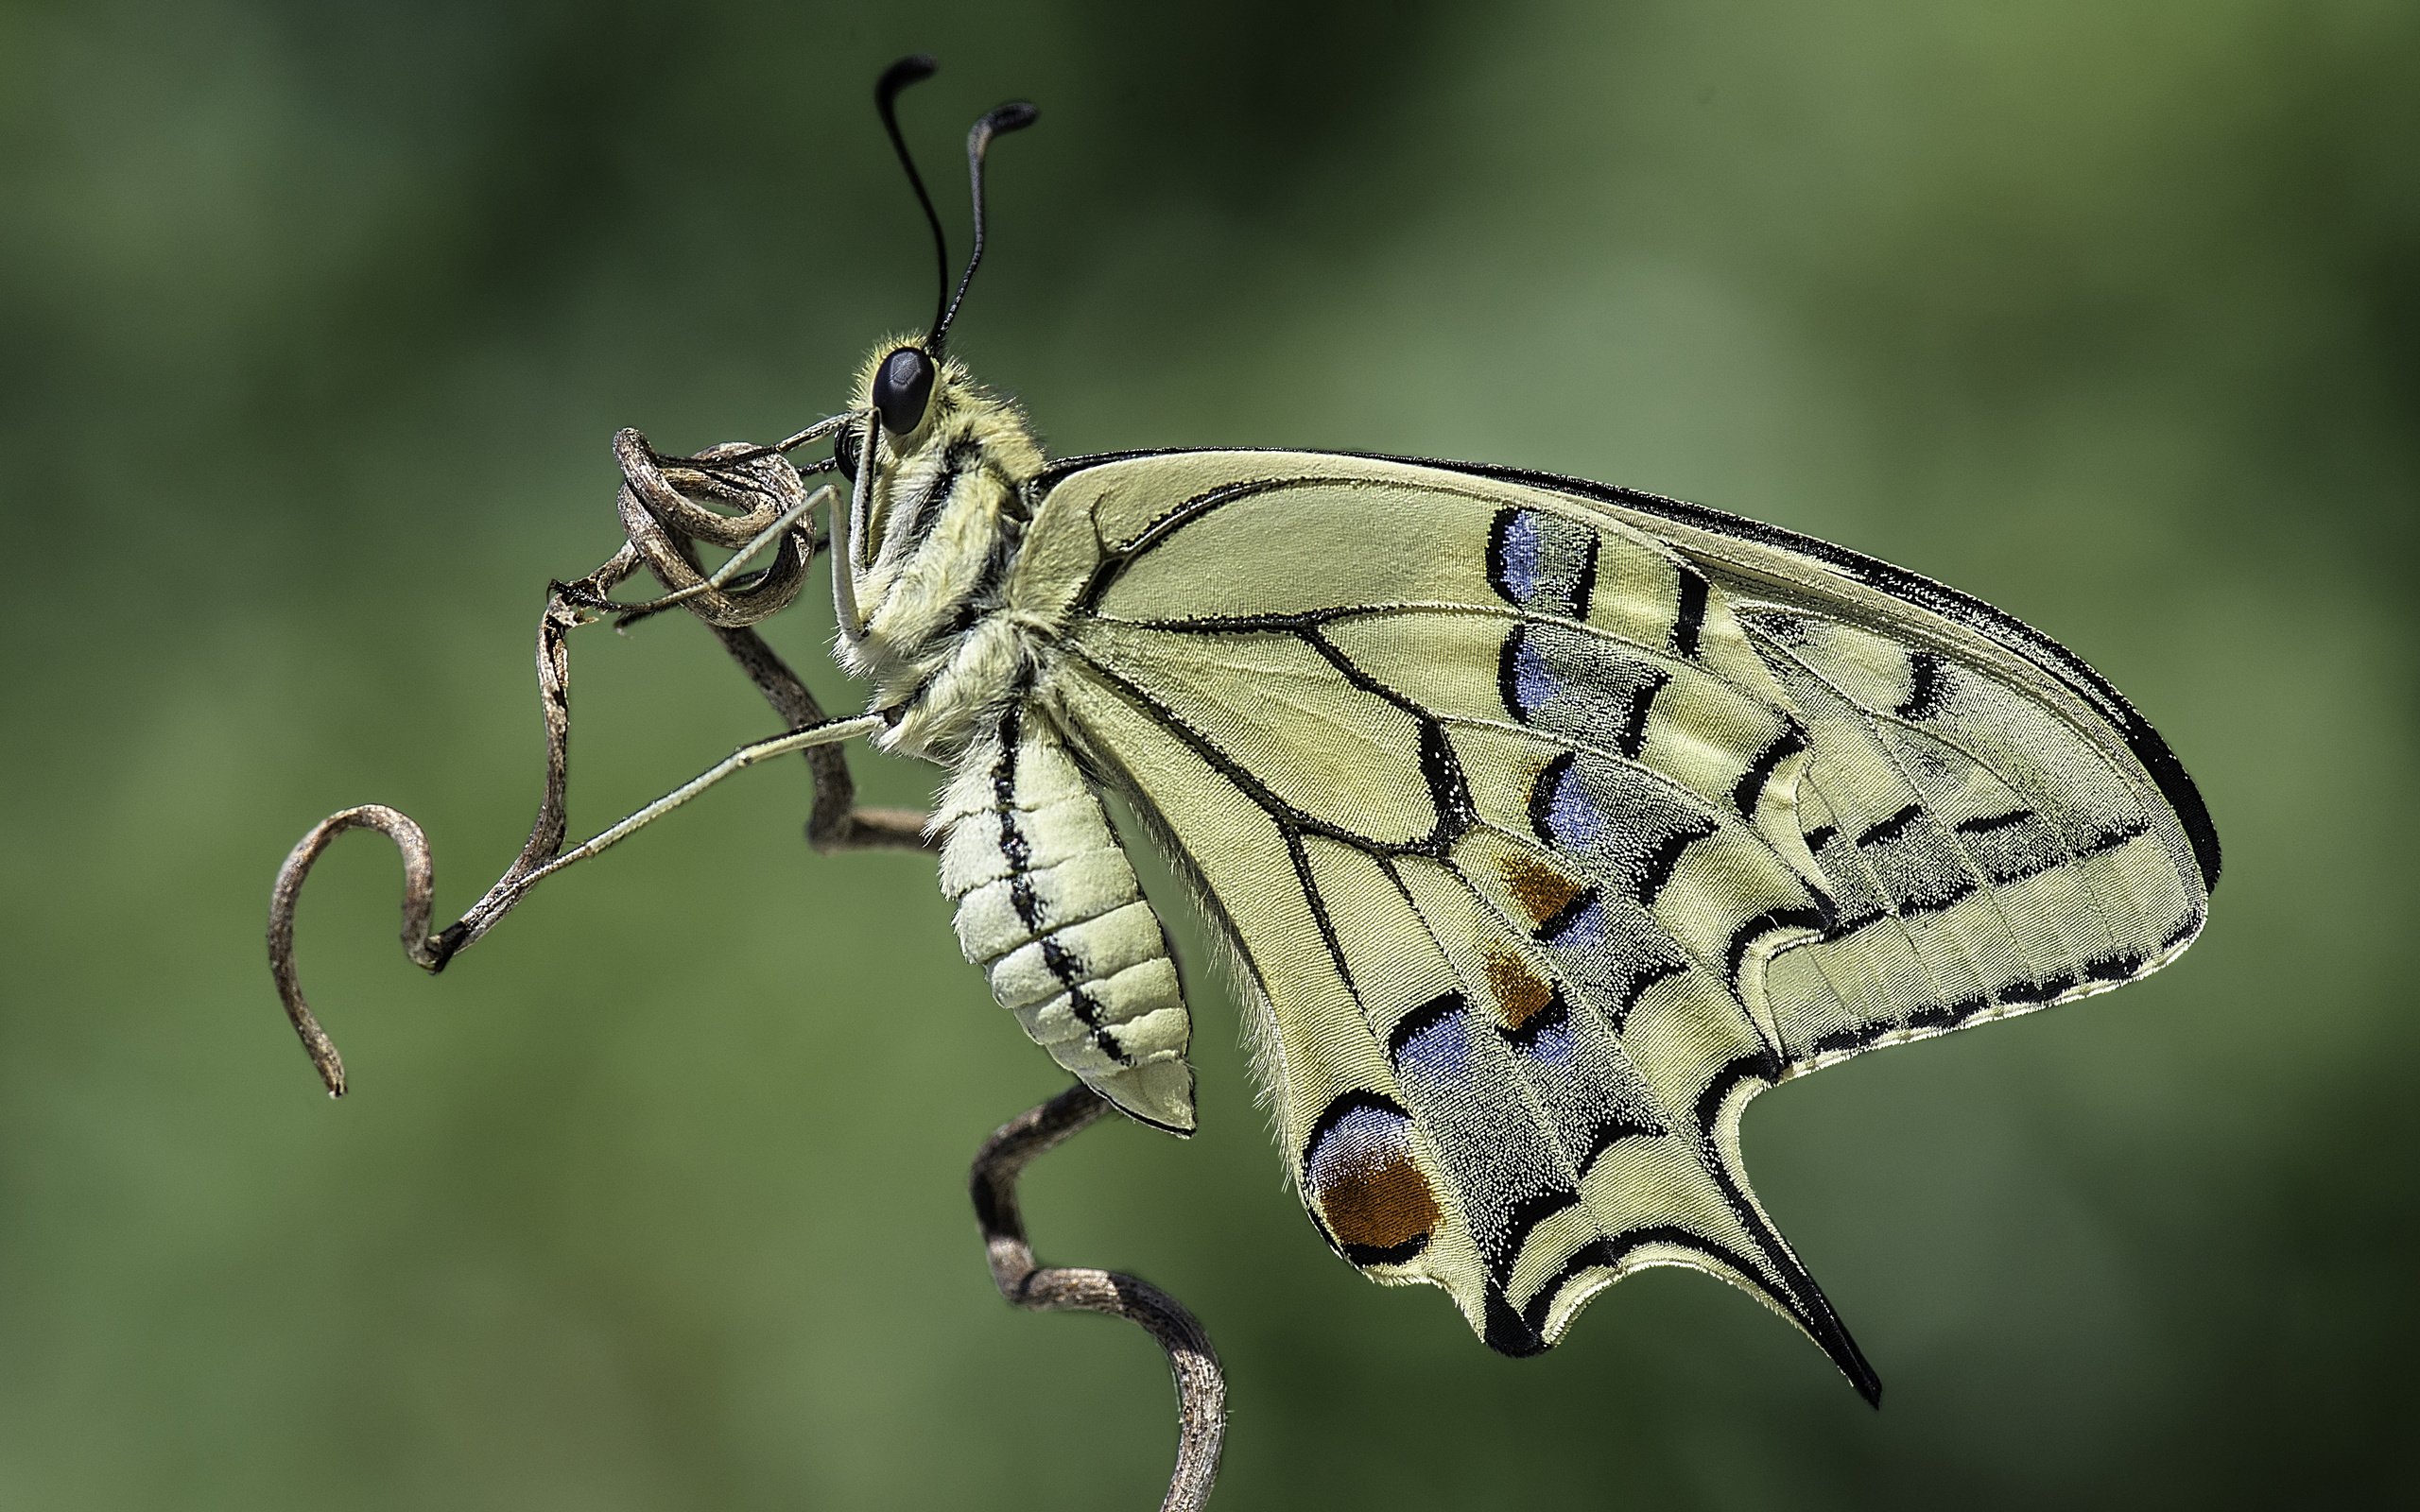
{"x":913,"y":69}
{"x":1014,"y":117}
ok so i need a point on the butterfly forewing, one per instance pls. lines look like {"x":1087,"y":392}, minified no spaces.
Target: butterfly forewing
{"x":1987,"y":858}
{"x":1999,"y":826}
{"x":1524,"y":839}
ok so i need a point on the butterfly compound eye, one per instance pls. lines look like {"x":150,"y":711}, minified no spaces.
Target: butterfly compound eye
{"x":901,"y":388}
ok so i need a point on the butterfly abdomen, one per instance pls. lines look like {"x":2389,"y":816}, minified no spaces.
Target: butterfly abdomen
{"x":1049,"y":907}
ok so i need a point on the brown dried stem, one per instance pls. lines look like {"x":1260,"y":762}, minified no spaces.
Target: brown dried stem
{"x":1200,"y":1386}
{"x":666,"y":517}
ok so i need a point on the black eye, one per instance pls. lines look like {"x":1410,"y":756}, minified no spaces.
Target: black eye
{"x":901,"y":388}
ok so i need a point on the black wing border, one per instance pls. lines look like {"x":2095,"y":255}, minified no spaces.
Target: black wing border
{"x":2175,"y":784}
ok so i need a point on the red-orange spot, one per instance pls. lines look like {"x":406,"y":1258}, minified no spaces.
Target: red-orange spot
{"x":1540,"y":890}
{"x":1382,"y":1205}
{"x":1518,"y":991}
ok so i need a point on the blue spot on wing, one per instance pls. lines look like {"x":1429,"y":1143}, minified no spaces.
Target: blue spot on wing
{"x":1534,"y":683}
{"x":1553,"y":1042}
{"x":1571,"y":820}
{"x":1362,"y":1137}
{"x":1434,"y":1041}
{"x":1543,"y":562}
{"x":1514,"y":554}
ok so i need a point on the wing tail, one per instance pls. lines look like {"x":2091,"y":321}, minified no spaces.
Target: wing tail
{"x":1657,"y":1177}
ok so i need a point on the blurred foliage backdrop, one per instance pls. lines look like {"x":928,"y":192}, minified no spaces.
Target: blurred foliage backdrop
{"x":317,"y":320}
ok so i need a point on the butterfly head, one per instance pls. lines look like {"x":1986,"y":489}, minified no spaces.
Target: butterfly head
{"x":915,"y":396}
{"x":901,"y":383}
{"x":934,"y":462}
{"x":923,"y":401}
{"x":928,"y":417}
{"x":926,"y":421}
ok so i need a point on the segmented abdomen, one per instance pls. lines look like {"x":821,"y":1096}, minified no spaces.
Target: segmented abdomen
{"x":1048,"y":906}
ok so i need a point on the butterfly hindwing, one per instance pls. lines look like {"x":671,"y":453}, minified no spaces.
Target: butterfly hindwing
{"x":1547,"y":839}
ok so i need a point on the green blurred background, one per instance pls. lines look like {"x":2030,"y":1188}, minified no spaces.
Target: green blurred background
{"x":317,"y":320}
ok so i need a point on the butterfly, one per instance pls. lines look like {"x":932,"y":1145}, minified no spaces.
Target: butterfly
{"x":1543,"y":823}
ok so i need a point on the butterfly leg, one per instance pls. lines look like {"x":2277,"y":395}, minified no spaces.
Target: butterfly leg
{"x":836,"y":822}
{"x":661,"y":528}
{"x":1200,"y":1386}
{"x":432,"y":951}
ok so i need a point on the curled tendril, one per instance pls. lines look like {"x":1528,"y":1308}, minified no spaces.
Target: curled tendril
{"x":728,"y":497}
{"x":1200,"y":1386}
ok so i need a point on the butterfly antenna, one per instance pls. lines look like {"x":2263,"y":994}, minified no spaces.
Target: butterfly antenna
{"x":915,"y":69}
{"x":1014,"y":117}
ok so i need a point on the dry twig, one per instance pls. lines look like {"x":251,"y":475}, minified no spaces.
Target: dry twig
{"x":663,"y":505}
{"x":1200,"y":1387}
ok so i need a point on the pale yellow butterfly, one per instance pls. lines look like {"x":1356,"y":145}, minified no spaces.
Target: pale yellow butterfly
{"x":1546,"y":823}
